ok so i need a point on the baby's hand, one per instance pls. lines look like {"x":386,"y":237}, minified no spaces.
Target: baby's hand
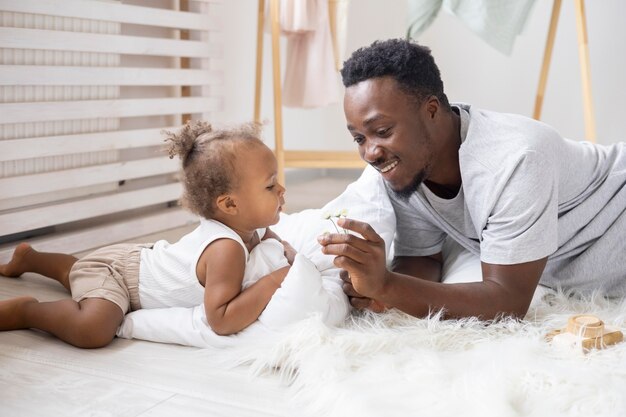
{"x":270,"y":234}
{"x":290,"y":252}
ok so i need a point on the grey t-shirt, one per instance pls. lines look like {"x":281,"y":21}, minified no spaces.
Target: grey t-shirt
{"x":528,"y":193}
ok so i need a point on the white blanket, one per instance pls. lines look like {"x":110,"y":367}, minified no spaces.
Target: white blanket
{"x":312,"y":286}
{"x":304,"y":292}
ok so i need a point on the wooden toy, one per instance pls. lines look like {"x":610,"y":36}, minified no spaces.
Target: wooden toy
{"x":587,"y":332}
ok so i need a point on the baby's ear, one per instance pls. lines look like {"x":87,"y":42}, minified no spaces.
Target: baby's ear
{"x":226,"y":204}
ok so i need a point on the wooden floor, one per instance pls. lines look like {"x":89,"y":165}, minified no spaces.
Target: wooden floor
{"x":314,"y":188}
{"x":42,"y":376}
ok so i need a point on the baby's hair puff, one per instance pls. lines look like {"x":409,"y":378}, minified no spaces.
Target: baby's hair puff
{"x":184,"y":142}
{"x":208,"y":160}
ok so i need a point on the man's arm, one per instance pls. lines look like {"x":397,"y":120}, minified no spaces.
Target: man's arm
{"x":427,"y":267}
{"x":424,"y":267}
{"x":505,"y":289}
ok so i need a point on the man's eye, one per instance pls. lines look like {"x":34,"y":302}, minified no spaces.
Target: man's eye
{"x":359,"y":139}
{"x":383,"y":132}
{"x":270,"y":187}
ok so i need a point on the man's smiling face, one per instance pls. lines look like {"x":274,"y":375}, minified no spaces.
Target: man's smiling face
{"x":388,"y":126}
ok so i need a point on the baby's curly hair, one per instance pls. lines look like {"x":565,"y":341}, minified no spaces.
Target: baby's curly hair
{"x":410,"y":64}
{"x":208,"y":161}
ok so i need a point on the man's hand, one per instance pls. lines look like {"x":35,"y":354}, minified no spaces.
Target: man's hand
{"x":357,"y":300}
{"x":362,"y":259}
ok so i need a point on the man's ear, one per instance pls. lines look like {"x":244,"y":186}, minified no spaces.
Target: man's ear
{"x":227,"y":204}
{"x":432,"y":106}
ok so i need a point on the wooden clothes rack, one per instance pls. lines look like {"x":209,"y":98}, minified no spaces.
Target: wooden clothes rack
{"x":289,"y":159}
{"x":583,"y":55}
{"x":349,"y":159}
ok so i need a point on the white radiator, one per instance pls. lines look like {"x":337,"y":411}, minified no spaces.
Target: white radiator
{"x":86,"y":86}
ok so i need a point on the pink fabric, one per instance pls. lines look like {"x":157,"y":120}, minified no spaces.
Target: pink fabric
{"x":310,"y":76}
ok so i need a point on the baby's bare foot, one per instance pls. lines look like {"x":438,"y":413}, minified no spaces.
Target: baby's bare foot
{"x":12,"y":313}
{"x":17,"y":265}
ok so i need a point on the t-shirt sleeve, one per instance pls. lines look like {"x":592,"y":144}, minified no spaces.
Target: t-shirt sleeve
{"x":416,"y":234}
{"x":523,"y":218}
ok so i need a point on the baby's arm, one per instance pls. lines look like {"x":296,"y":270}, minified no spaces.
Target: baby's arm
{"x":228,"y":309}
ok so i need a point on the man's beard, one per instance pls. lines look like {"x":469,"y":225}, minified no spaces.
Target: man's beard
{"x":406,"y":192}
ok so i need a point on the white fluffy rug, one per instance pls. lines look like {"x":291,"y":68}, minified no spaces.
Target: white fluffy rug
{"x":395,"y":365}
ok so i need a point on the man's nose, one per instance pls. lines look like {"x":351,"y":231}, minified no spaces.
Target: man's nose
{"x":372,"y":152}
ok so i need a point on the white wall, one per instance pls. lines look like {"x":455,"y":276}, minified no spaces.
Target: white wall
{"x":472,"y":71}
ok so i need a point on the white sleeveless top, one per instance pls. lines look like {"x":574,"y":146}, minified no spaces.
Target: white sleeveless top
{"x":167,"y":272}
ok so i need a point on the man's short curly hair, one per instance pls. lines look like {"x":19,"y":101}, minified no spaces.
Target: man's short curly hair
{"x":410,"y":64}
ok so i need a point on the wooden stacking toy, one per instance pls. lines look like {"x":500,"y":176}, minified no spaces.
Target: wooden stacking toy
{"x":585,"y":331}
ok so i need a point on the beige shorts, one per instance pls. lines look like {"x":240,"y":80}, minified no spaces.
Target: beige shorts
{"x":111,"y":273}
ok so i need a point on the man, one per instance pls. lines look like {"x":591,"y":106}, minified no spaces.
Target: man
{"x":536,"y":208}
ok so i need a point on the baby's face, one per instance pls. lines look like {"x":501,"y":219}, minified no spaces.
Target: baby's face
{"x":259,"y":192}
